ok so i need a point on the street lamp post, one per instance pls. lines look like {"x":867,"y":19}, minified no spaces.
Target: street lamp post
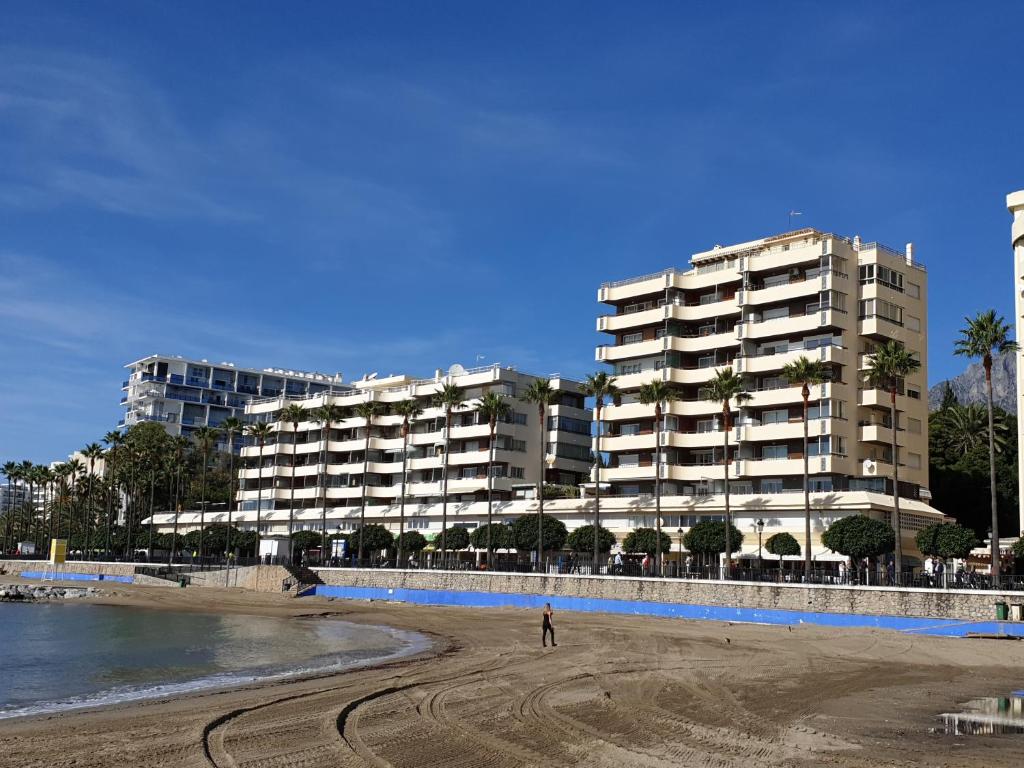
{"x":679,"y":560}
{"x":760,"y":530}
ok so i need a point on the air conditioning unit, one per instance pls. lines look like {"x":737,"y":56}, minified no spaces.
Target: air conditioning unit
{"x":869,"y":468}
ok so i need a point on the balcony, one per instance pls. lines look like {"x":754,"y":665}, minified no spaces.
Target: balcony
{"x":766,"y":363}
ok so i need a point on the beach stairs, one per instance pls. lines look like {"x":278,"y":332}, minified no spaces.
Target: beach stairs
{"x":301,"y":580}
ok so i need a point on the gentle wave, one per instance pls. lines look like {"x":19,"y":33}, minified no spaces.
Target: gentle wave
{"x":413,"y":643}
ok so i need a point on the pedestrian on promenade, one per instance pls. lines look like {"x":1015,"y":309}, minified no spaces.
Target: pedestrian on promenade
{"x":618,"y":562}
{"x":548,"y":626}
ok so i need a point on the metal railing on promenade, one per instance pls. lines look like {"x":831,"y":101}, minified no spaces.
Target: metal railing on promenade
{"x":570,"y":566}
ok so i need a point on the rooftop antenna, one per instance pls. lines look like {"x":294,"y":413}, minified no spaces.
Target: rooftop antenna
{"x":480,"y":357}
{"x":791,"y":215}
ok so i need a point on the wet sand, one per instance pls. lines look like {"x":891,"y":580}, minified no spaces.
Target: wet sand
{"x":617,"y":691}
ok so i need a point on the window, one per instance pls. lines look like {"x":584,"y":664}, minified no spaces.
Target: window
{"x":876,"y":273}
{"x":774,"y":452}
{"x":774,"y":382}
{"x":913,"y":323}
{"x":819,"y":447}
{"x":707,"y":425}
{"x":518,"y":418}
{"x":629,"y":460}
{"x":871,"y":308}
{"x":771,"y":485}
{"x":913,"y":393}
{"x":627,"y":368}
{"x":914,"y":460}
{"x":516,"y":473}
{"x":417,"y":523}
{"x":821,"y":411}
{"x":703,"y":457}
{"x":630,"y":429}
{"x":913,"y":290}
{"x":820,"y":484}
{"x":632,"y":338}
{"x":779,"y":416}
{"x":708,"y":361}
{"x":914,"y":426}
{"x":775,"y":312}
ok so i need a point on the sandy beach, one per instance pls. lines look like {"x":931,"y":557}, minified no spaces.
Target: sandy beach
{"x":616,"y":691}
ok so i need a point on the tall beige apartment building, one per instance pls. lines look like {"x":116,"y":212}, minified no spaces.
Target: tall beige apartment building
{"x":757,"y":306}
{"x":1015,"y":204}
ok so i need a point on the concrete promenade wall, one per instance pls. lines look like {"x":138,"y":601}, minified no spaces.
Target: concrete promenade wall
{"x":962,"y":605}
{"x":15,"y":567}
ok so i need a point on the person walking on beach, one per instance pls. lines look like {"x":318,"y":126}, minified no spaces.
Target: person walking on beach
{"x":547,"y":626}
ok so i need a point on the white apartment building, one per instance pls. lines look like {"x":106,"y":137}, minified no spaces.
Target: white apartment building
{"x":1015,"y":204}
{"x":339,"y":459}
{"x":183,"y":394}
{"x":756,"y":306}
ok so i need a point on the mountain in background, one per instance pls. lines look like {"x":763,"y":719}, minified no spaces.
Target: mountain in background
{"x":969,"y":386}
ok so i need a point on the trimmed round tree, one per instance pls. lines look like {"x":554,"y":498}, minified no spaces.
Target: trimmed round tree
{"x":707,"y":539}
{"x":375,"y":538}
{"x":859,"y":536}
{"x":582,"y":539}
{"x":946,"y":540}
{"x":411,"y":541}
{"x":524,"y":533}
{"x":501,"y":536}
{"x":305,"y":540}
{"x":455,"y":538}
{"x":782,"y":545}
{"x":646,"y":540}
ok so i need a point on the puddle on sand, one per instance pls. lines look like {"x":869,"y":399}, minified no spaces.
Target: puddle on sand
{"x":984,"y":717}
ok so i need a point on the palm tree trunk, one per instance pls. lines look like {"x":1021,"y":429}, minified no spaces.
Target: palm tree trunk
{"x":291,"y":503}
{"x":657,"y":487}
{"x":152,"y":524}
{"x":231,"y":493}
{"x":490,"y":493}
{"x":177,"y":511}
{"x":362,"y":503}
{"x":444,"y":486}
{"x":88,"y":512}
{"x":997,"y":560}
{"x":808,"y":562}
{"x":324,"y":548}
{"x":202,"y":504}
{"x":7,"y":519}
{"x":110,"y":507}
{"x":728,"y":515}
{"x":540,"y":493}
{"x":897,"y":527}
{"x":259,"y":501}
{"x":595,"y":568}
{"x":401,"y":501}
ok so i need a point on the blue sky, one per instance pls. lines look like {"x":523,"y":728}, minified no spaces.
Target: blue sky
{"x":400,"y":186}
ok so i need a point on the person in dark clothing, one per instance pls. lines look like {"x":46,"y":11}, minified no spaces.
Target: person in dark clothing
{"x":548,"y":626}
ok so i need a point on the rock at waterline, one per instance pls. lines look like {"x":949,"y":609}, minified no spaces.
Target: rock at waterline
{"x":37,"y":592}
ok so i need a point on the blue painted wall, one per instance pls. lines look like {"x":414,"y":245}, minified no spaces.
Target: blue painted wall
{"x":926,"y":626}
{"x":75,"y":576}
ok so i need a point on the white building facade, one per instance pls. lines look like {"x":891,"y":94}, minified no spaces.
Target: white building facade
{"x":183,"y":395}
{"x":1015,"y":204}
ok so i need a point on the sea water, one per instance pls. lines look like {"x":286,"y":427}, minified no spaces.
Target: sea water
{"x":63,"y":656}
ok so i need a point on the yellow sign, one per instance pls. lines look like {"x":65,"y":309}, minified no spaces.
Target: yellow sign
{"x":58,"y":551}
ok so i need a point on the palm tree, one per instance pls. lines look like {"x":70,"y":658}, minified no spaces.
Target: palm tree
{"x":986,"y":334}
{"x":231,"y":426}
{"x":205,"y":437}
{"x":38,"y":515}
{"x":325,"y":415}
{"x":806,"y":372}
{"x":492,"y":406}
{"x":180,"y":444}
{"x":725,"y":387}
{"x":293,"y":414}
{"x":366,"y":411}
{"x":11,"y":471}
{"x":887,"y":367}
{"x":449,"y":398}
{"x":542,"y":394}
{"x":599,"y":386}
{"x":114,"y":441}
{"x":965,"y":427}
{"x":262,"y":432}
{"x":61,"y":472}
{"x":28,"y":508}
{"x":408,"y":409}
{"x":47,"y":477}
{"x":657,"y":393}
{"x":91,"y":452}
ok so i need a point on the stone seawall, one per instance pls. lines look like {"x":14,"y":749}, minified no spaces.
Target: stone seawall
{"x":15,"y":567}
{"x":961,"y":605}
